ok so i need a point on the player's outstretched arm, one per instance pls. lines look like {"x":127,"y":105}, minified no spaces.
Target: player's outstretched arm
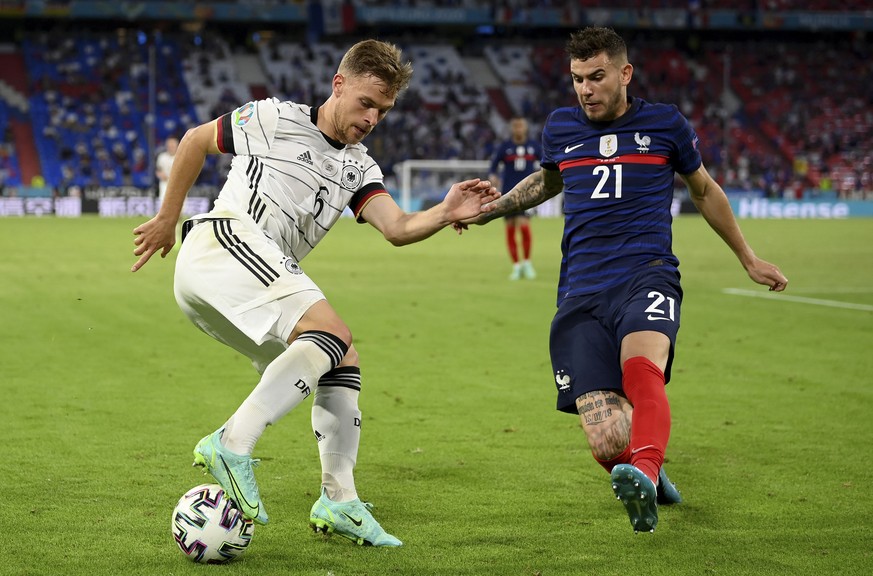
{"x":463,"y":200}
{"x":159,"y":233}
{"x":535,"y":189}
{"x":712,"y":203}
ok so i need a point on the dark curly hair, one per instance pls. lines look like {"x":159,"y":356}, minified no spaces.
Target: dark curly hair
{"x":591,"y":41}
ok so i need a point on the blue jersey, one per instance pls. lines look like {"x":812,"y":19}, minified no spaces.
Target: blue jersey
{"x":618,"y":189}
{"x":518,"y":161}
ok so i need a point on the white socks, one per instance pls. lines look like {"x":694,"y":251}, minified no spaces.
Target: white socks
{"x":336,"y":423}
{"x":306,"y":366}
{"x":286,"y":382}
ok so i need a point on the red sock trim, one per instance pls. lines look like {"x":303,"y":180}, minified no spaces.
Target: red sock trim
{"x":623,"y":458}
{"x":643,"y":383}
{"x":510,"y":243}
{"x":525,"y":240}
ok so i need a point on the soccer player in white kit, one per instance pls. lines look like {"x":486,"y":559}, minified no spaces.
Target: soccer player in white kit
{"x":238,"y":275}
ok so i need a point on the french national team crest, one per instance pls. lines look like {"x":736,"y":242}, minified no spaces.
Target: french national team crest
{"x":562,"y":381}
{"x":608,"y":145}
{"x":643,"y":141}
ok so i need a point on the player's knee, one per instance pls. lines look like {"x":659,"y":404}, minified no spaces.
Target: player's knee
{"x":322,"y":318}
{"x":341,"y":331}
{"x":350,"y":359}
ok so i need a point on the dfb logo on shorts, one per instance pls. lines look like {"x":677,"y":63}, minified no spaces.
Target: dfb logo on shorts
{"x":293,"y":267}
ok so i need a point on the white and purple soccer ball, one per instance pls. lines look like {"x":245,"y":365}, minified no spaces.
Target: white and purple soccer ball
{"x":208,"y":527}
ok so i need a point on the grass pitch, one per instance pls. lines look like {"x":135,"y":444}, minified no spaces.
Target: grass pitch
{"x":106,"y":388}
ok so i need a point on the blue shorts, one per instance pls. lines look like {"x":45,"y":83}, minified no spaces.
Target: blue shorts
{"x":587,"y":331}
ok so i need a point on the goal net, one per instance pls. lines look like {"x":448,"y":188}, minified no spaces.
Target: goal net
{"x":423,"y":183}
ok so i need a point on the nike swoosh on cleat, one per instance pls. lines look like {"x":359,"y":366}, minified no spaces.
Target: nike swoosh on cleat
{"x":355,"y":522}
{"x":237,"y":491}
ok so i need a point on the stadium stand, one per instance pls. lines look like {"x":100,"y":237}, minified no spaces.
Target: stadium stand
{"x":796,"y":116}
{"x":747,"y":5}
{"x":90,"y":106}
{"x":212,"y":78}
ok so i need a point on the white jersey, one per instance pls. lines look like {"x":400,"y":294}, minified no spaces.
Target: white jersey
{"x":288,"y":176}
{"x":164,"y":164}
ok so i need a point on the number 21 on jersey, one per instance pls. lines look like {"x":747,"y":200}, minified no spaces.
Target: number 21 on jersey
{"x":605,"y":174}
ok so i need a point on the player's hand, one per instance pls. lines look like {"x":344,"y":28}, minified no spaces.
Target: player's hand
{"x":156,"y":234}
{"x":465,"y":200}
{"x":480,"y":220}
{"x":767,"y":274}
{"x":462,"y":225}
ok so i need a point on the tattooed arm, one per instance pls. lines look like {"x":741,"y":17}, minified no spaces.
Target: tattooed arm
{"x":532,"y":191}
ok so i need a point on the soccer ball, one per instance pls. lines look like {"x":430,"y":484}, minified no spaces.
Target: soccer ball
{"x":208,"y":527}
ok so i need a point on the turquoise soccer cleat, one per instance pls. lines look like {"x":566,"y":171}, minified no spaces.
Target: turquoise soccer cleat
{"x":667,"y":492}
{"x":234,"y":473}
{"x":639,"y":496}
{"x":350,"y":520}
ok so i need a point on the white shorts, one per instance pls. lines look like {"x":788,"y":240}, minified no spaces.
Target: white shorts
{"x":236,"y":285}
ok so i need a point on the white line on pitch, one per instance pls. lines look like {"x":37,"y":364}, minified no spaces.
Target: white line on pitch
{"x":801,"y":299}
{"x":831,"y":290}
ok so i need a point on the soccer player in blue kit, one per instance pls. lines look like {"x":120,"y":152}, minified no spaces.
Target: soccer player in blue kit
{"x":613,"y":337}
{"x":513,"y":159}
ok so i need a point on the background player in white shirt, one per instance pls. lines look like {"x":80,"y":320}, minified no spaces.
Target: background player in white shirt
{"x":164,"y":164}
{"x":238,"y":278}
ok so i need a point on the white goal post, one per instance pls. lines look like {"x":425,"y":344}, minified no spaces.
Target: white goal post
{"x":429,"y":185}
{"x":419,"y":182}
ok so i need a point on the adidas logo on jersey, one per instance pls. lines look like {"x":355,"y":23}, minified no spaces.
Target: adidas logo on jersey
{"x":305,"y":157}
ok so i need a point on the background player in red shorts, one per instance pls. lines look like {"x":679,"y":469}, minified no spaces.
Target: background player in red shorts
{"x":513,"y":160}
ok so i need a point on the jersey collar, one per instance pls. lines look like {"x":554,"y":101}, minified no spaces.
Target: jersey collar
{"x":313,"y":116}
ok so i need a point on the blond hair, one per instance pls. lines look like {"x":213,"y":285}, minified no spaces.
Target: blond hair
{"x":380,"y":59}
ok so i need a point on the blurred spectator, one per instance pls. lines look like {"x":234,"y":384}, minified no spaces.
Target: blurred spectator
{"x":163,"y":165}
